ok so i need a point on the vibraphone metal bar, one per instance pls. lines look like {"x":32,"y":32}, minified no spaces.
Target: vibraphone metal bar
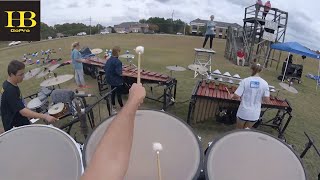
{"x":129,"y":74}
{"x":210,"y":96}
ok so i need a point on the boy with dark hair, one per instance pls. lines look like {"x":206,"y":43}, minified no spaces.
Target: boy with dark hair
{"x":13,"y":111}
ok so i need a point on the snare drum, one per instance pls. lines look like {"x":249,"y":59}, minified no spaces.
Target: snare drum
{"x":38,"y":152}
{"x":252,"y":155}
{"x":180,"y":158}
{"x":59,"y":110}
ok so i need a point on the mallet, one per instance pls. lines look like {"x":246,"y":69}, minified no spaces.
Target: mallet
{"x":139,"y":50}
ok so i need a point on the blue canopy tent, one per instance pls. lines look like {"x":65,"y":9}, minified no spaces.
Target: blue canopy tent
{"x":296,"y":48}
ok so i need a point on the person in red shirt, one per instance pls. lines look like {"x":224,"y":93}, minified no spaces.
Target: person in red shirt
{"x":267,"y":7}
{"x":240,"y":57}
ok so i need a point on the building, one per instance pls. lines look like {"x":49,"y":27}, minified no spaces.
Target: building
{"x":197,"y":27}
{"x":131,"y":27}
{"x":60,"y":35}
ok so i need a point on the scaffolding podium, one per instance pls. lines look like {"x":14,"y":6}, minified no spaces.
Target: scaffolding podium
{"x":203,"y":57}
{"x":258,"y":33}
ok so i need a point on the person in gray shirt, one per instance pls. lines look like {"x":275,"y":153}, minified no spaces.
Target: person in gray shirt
{"x":209,"y":32}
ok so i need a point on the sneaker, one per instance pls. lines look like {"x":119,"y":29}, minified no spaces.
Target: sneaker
{"x":113,"y":111}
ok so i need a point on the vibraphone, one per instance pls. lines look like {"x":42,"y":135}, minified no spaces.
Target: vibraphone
{"x":208,"y":97}
{"x":129,"y":74}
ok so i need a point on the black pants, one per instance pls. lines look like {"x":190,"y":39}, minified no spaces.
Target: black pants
{"x":117,"y":91}
{"x":206,"y":39}
{"x":264,"y":14}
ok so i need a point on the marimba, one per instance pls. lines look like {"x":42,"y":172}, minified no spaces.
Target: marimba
{"x":92,"y":65}
{"x":130,"y":73}
{"x":208,"y":97}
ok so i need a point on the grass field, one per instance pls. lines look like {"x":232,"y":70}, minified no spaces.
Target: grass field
{"x":164,"y":50}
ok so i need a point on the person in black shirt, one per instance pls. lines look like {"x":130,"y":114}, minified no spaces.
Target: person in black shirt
{"x":113,"y":70}
{"x":13,"y":111}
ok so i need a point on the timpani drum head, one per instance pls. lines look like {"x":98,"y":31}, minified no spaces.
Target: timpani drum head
{"x":181,"y":155}
{"x":39,"y":152}
{"x":252,"y":155}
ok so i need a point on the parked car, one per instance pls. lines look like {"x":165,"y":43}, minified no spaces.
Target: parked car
{"x":49,"y":37}
{"x":123,"y":32}
{"x":104,"y":32}
{"x":13,"y":43}
{"x":81,"y":34}
{"x":179,"y":33}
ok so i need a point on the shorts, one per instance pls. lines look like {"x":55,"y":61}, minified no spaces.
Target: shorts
{"x":247,"y":120}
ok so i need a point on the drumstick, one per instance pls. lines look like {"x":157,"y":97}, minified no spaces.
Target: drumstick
{"x":158,"y":163}
{"x":139,"y":50}
{"x":228,"y":90}
{"x":139,"y":61}
{"x":158,"y":147}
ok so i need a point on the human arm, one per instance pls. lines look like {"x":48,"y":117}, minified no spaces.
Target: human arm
{"x":15,"y":103}
{"x":31,"y":114}
{"x":79,"y":58}
{"x":118,"y":68}
{"x":238,"y":93}
{"x":266,"y":95}
{"x":111,"y":158}
{"x":76,"y":56}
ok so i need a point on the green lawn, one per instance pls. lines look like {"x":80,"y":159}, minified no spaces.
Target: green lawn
{"x":164,"y":50}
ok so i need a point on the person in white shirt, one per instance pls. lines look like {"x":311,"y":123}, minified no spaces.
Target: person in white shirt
{"x":252,"y":91}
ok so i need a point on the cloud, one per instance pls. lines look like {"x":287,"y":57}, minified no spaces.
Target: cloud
{"x":107,"y":5}
{"x":89,"y":3}
{"x":242,"y":3}
{"x":163,"y":1}
{"x":73,"y":5}
{"x":303,"y":25}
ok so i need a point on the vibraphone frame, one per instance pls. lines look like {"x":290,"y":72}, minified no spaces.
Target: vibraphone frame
{"x":94,"y":68}
{"x":280,"y":122}
{"x":169,"y":88}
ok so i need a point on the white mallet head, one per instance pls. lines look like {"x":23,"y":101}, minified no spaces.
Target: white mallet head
{"x":139,"y":49}
{"x":157,"y":147}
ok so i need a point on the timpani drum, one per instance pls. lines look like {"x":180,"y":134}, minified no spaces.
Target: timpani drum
{"x":38,"y":152}
{"x":252,"y":155}
{"x":180,"y":159}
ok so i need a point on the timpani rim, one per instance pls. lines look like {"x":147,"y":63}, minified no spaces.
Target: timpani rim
{"x":55,"y":128}
{"x":219,"y":137}
{"x":201,"y":160}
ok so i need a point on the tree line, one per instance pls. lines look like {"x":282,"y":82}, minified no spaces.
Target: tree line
{"x":168,"y":26}
{"x":68,"y":29}
{"x":156,"y":24}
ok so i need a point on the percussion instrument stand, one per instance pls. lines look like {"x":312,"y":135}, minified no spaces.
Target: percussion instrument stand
{"x":171,"y":73}
{"x":310,"y":144}
{"x":277,"y":121}
{"x":203,"y":57}
{"x":84,"y":111}
{"x":90,"y":115}
{"x":129,"y":60}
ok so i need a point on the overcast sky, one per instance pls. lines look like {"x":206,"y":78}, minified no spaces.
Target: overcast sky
{"x":304,"y":25}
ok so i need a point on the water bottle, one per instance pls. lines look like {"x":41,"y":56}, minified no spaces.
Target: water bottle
{"x":127,"y":52}
{"x":110,"y":53}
